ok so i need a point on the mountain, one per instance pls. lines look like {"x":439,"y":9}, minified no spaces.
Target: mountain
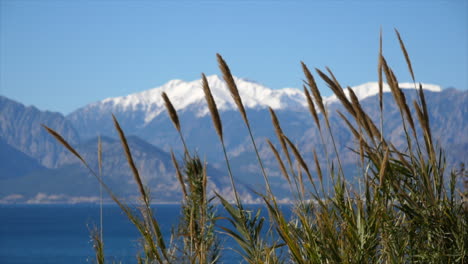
{"x":143,"y":114}
{"x":51,"y":174}
{"x":71,"y":181}
{"x":14,"y":163}
{"x":34,"y":168}
{"x":147,"y":105}
{"x":20,"y":127}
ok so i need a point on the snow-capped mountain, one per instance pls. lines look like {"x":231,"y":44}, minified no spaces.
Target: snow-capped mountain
{"x":255,"y":96}
{"x":143,"y":115}
{"x":185,"y":94}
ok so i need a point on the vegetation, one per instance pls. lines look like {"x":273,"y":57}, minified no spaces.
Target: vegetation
{"x":408,"y":211}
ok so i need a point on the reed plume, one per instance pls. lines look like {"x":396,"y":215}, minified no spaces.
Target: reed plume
{"x":171,"y":111}
{"x":380,"y":80}
{"x":231,"y":84}
{"x":175,"y":119}
{"x":317,"y":167}
{"x":60,"y":139}
{"x":383,"y":167}
{"x":360,"y":115}
{"x":311,"y":106}
{"x":280,"y":162}
{"x":337,"y":90}
{"x":179,"y":174}
{"x":313,"y":87}
{"x":279,"y":134}
{"x":403,"y":48}
{"x":219,"y":130}
{"x":229,"y":79}
{"x":398,"y":94}
{"x":212,"y":107}
{"x":301,"y":162}
{"x":348,"y":123}
{"x":130,"y":161}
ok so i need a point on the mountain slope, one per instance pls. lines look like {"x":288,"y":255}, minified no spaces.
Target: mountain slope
{"x":20,"y":127}
{"x":151,"y":135}
{"x":14,"y":163}
{"x":72,"y":182}
{"x":140,"y":110}
{"x":189,"y":96}
{"x":143,"y":114}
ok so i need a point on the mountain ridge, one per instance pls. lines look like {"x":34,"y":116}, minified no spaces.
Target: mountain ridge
{"x":151,"y":138}
{"x":184,"y":94}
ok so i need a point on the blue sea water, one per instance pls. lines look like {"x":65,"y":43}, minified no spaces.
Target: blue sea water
{"x":60,"y":234}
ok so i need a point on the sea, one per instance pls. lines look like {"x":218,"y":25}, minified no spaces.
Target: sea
{"x":36,"y":234}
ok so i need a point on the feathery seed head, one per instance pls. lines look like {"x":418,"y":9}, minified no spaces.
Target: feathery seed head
{"x":212,"y":107}
{"x":311,"y":105}
{"x":231,"y":84}
{"x":171,"y":111}
{"x":313,"y":87}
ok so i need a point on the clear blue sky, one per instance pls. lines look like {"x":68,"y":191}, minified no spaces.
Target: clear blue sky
{"x":60,"y":55}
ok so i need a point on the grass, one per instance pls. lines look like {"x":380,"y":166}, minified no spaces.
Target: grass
{"x":408,"y":211}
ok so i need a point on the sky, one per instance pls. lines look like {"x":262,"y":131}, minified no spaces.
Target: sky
{"x":61,"y":55}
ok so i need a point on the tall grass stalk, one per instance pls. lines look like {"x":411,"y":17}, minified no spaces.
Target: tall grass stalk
{"x":231,"y":84}
{"x":101,"y":227}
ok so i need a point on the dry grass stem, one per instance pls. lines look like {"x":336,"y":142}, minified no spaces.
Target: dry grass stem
{"x":379,"y":70}
{"x":228,"y":78}
{"x":99,"y":155}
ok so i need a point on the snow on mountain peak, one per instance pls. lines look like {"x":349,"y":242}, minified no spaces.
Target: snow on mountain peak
{"x":254,"y":95}
{"x":183,"y":94}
